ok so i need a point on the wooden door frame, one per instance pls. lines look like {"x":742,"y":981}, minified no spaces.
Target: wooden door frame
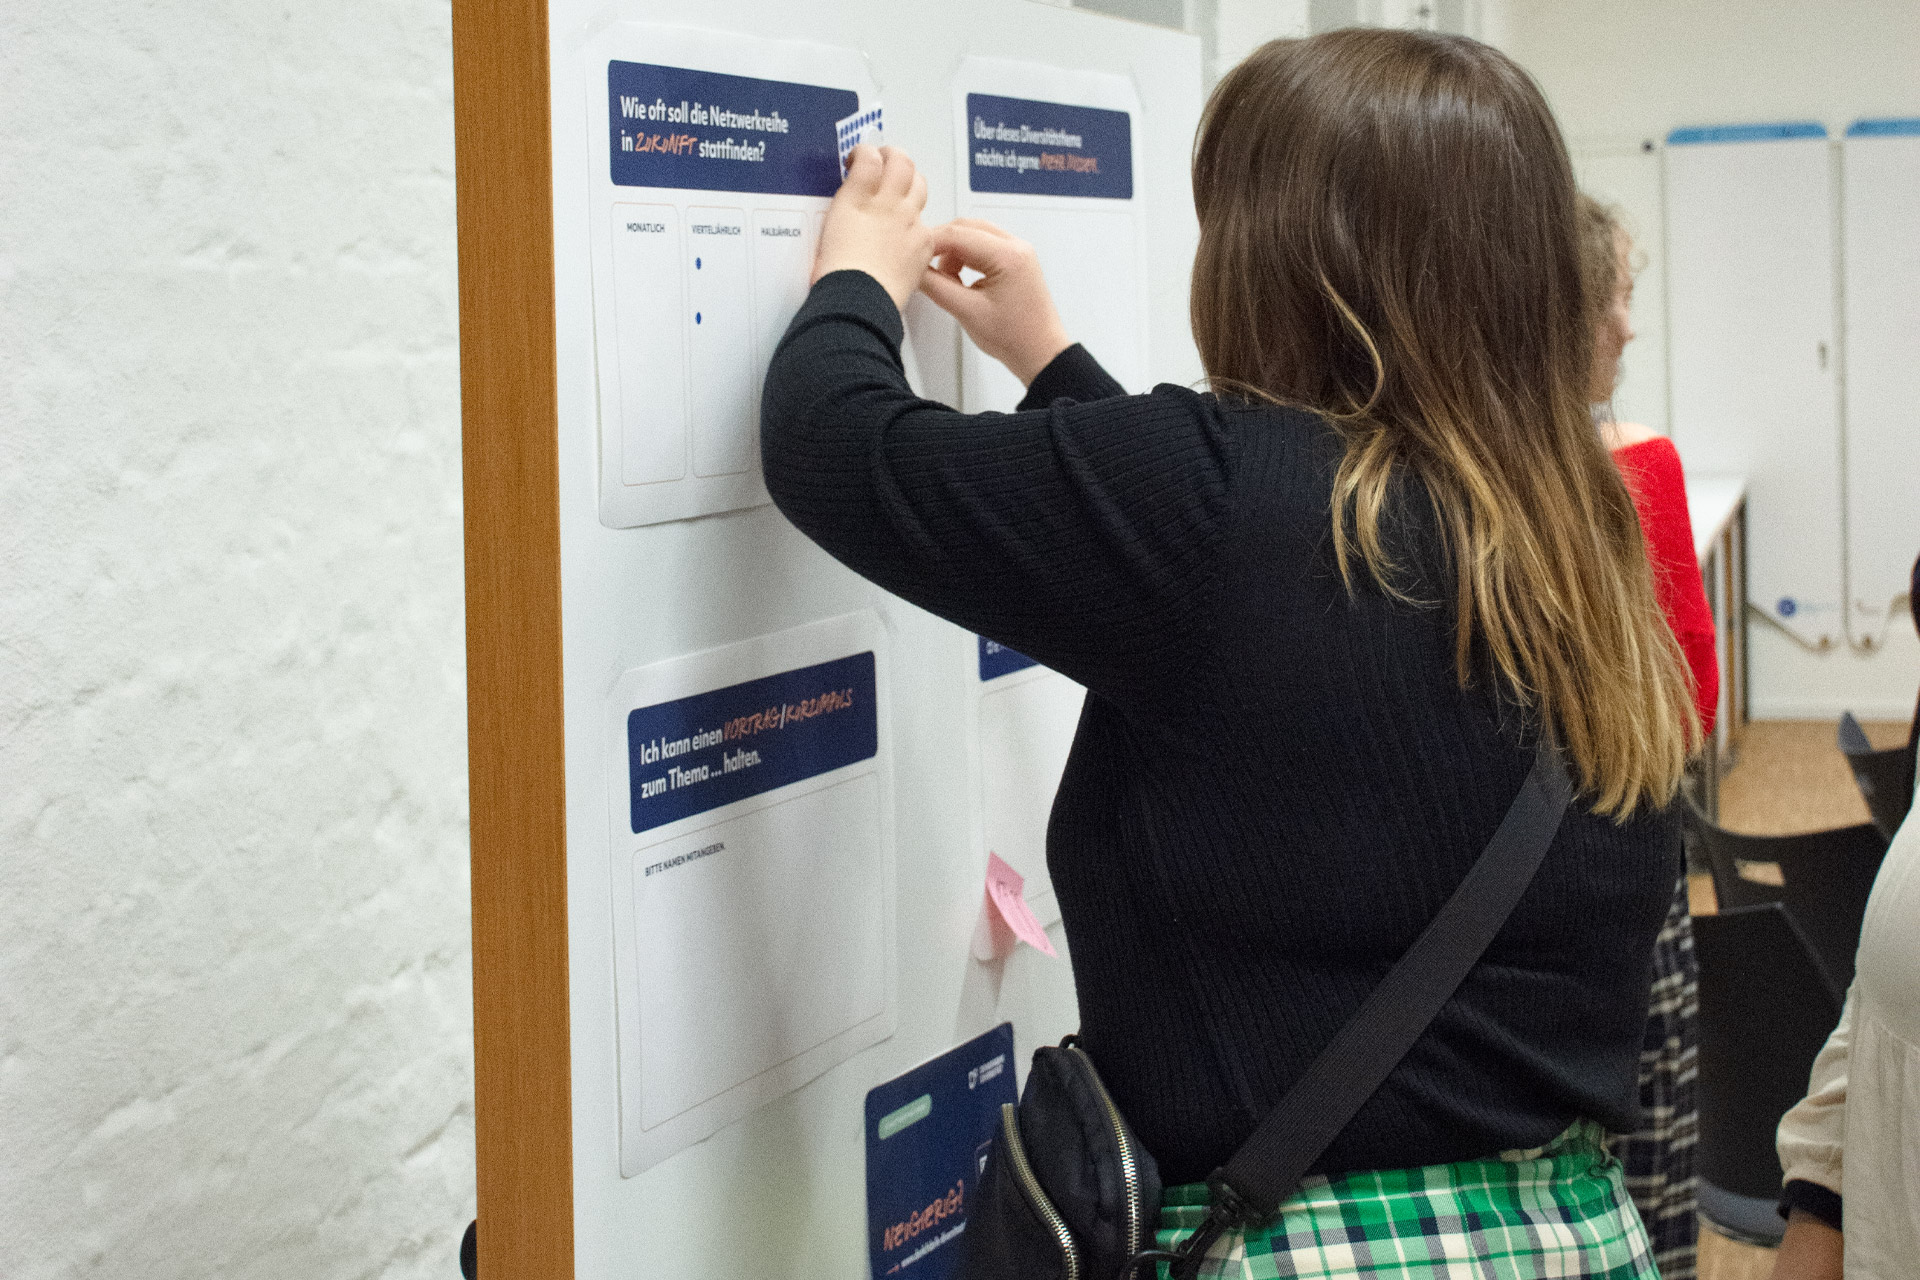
{"x":503,"y":178}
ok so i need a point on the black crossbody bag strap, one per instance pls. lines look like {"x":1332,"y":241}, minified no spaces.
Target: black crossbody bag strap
{"x":1268,"y":1167}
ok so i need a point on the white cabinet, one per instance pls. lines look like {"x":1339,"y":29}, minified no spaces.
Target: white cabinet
{"x":1750,"y":242}
{"x":1880,"y":236}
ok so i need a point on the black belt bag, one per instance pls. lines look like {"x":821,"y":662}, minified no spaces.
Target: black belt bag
{"x":1070,"y":1194}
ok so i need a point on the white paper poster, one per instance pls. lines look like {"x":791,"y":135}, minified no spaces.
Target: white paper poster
{"x":1049,"y":154}
{"x":713,"y":157}
{"x":751,"y":815}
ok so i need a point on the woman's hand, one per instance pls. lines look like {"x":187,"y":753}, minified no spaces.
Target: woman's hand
{"x":874,"y":223}
{"x":1007,"y":312}
{"x":1811,"y":1250}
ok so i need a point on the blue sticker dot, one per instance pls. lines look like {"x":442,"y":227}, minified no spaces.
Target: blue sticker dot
{"x":696,"y":264}
{"x":1787,"y":607}
{"x":696,"y":320}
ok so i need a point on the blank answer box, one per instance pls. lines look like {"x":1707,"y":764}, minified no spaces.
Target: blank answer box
{"x":652,"y":406}
{"x":783,"y":245}
{"x":721,"y":334}
{"x":757,"y":939}
{"x":1091,"y":258}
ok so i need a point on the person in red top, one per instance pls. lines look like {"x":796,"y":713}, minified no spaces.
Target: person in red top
{"x":1651,"y":467}
{"x":1648,"y":462}
{"x":1658,"y":1156}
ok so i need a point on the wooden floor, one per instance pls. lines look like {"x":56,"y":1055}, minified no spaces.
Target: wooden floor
{"x":1788,"y":777}
{"x":1723,"y":1259}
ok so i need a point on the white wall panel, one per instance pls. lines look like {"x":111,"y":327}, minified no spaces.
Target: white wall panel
{"x":235,"y":1009}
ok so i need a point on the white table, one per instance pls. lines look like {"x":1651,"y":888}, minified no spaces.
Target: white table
{"x":1717,"y":508}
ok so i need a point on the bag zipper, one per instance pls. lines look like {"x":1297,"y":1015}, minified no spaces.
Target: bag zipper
{"x":1129,"y":1162}
{"x":1023,"y":1173}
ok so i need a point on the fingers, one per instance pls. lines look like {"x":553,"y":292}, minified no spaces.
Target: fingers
{"x":897,"y":173}
{"x":945,"y":289}
{"x":968,"y":242}
{"x":952,"y":297}
{"x":864,"y":169}
{"x":984,"y":251}
{"x":981,"y":224}
{"x":886,"y":175}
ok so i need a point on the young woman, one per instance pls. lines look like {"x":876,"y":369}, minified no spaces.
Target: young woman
{"x":1658,"y":1154}
{"x":1323,"y":615}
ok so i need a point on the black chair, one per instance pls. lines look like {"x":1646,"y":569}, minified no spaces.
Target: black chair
{"x":1766,"y":1008}
{"x":1885,"y":778}
{"x":1825,"y":879}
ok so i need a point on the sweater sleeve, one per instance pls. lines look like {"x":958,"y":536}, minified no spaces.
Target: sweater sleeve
{"x":1085,"y":535}
{"x":1651,"y":469}
{"x":1072,"y":375}
{"x":1812,"y":1135}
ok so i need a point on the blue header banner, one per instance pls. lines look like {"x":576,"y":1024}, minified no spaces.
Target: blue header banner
{"x":1748,"y":133}
{"x":1021,"y":147}
{"x":1897,"y":127}
{"x":997,"y":660}
{"x":928,"y":1135}
{"x":670,"y":127}
{"x":694,"y":754}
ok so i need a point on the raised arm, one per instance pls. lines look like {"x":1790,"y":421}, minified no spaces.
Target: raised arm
{"x":1085,"y":535}
{"x":1083,"y":532}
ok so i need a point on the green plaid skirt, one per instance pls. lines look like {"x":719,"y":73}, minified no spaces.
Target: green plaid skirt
{"x":1557,"y":1210}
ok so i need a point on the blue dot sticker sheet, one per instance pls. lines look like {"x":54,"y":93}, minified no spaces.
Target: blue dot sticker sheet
{"x":862,"y":127}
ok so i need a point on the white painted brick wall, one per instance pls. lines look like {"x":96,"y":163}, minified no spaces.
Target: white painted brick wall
{"x":234,"y":968}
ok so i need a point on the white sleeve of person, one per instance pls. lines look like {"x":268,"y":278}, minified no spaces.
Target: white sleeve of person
{"x":1812,"y":1136}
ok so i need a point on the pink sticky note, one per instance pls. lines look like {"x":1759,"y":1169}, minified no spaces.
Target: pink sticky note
{"x":1006,"y":889}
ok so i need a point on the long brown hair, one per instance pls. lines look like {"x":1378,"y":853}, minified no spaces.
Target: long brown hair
{"x":1388,"y":237}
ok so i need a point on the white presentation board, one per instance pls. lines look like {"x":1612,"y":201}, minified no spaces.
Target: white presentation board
{"x":1880,"y":196}
{"x":740,"y":975}
{"x":1753,"y":364}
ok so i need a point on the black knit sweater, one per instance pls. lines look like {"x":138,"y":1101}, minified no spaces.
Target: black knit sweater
{"x":1275,"y":783}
